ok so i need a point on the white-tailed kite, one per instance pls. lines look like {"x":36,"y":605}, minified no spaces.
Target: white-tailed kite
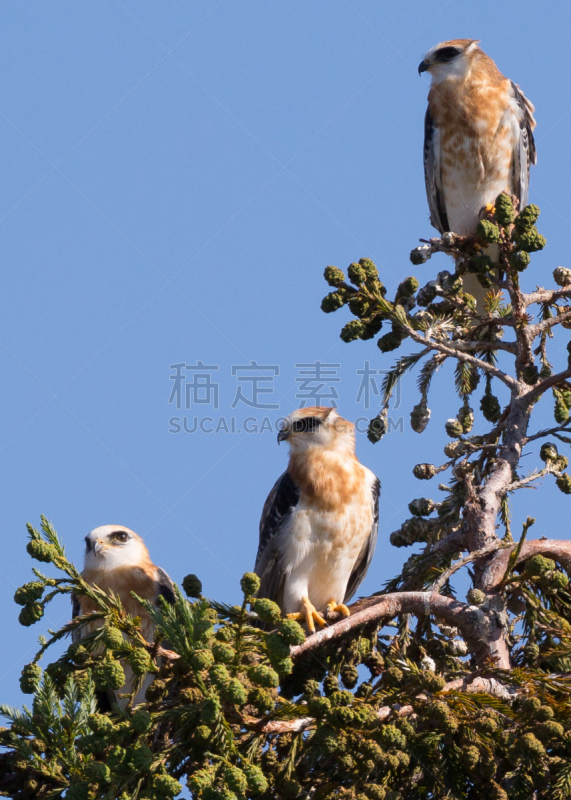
{"x":319,"y":524}
{"x":478,"y":139}
{"x":116,"y":560}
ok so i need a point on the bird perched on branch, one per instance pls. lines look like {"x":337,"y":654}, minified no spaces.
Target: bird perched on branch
{"x":478,"y":136}
{"x":117,"y":561}
{"x":319,"y":524}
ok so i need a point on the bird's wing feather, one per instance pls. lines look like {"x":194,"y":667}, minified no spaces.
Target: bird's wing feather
{"x":524,"y":153}
{"x":166,"y":587}
{"x":278,"y":508}
{"x":365,"y":556}
{"x":433,"y":175}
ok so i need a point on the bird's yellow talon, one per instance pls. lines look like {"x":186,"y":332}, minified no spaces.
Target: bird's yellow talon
{"x":309,"y":614}
{"x":319,"y":619}
{"x":333,"y":606}
{"x":490,"y":208}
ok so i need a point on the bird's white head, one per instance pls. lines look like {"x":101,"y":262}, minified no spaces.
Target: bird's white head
{"x":112,"y":546}
{"x":307,"y":428}
{"x":450,"y":60}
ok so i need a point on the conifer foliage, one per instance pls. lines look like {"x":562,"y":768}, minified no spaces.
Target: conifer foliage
{"x":419,"y":694}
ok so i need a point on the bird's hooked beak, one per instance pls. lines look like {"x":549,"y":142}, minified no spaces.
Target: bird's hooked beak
{"x":283,"y":436}
{"x":98,"y":547}
{"x":423,"y":67}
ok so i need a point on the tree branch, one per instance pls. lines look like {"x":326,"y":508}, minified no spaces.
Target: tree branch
{"x":542,"y":387}
{"x":453,"y":541}
{"x":490,"y":686}
{"x":490,"y":548}
{"x":450,"y":350}
{"x":483,"y":503}
{"x":549,"y":432}
{"x":557,"y":549}
{"x":467,"y":685}
{"x":284,"y":725}
{"x":545,"y":296}
{"x":510,"y":347}
{"x":481,"y":629}
{"x":533,"y":477}
{"x":546,"y":324}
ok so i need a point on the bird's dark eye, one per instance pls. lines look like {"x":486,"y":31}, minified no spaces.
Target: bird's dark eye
{"x":88,"y":544}
{"x":306,"y":425}
{"x":119,"y":536}
{"x":446,"y":54}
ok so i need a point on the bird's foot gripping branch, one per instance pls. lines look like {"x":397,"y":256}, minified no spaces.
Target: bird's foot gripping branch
{"x":352,"y":711}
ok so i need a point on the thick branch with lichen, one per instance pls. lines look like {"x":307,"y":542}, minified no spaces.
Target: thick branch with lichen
{"x":470,"y":620}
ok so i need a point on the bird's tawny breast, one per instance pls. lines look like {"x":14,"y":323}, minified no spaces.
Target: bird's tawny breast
{"x":327,"y":479}
{"x":122,"y":581}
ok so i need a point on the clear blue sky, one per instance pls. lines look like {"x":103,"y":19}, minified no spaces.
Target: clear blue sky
{"x":175,"y":178}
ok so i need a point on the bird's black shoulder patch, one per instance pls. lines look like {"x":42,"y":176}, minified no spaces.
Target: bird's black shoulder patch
{"x":75,"y":607}
{"x":433,"y":177}
{"x":166,"y":587}
{"x":281,"y":500}
{"x":376,"y":497}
